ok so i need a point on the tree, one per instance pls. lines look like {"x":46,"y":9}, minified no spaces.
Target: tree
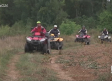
{"x":52,"y":12}
{"x":105,"y":20}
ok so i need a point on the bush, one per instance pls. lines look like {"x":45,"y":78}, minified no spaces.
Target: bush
{"x":17,"y":29}
{"x":68,"y":27}
{"x":21,"y":28}
{"x":4,"y":30}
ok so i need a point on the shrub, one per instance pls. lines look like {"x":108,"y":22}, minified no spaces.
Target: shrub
{"x":68,"y":27}
{"x":4,"y":30}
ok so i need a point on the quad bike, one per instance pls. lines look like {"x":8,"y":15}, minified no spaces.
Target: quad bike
{"x":105,"y":38}
{"x":83,"y":38}
{"x":37,"y":42}
{"x":56,"y":42}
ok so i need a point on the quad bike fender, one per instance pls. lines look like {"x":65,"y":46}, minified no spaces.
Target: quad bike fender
{"x":88,"y":36}
{"x":60,"y":39}
{"x":55,"y":39}
{"x":77,"y":36}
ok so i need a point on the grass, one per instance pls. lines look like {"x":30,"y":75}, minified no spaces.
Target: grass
{"x":33,"y":68}
{"x":9,"y":47}
{"x":104,"y":77}
{"x":4,"y":59}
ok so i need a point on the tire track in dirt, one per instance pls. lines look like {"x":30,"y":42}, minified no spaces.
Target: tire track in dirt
{"x":61,"y":74}
{"x":12,"y":72}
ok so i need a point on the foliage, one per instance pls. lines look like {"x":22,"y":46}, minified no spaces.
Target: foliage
{"x":68,"y":27}
{"x":47,"y":11}
{"x":18,"y":28}
{"x":88,"y":22}
{"x":4,"y":30}
{"x":105,"y":20}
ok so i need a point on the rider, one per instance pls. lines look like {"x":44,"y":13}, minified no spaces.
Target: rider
{"x":105,"y":32}
{"x":83,"y":30}
{"x":39,"y":28}
{"x":55,"y":31}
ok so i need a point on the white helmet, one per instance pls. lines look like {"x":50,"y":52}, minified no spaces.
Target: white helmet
{"x":55,"y":26}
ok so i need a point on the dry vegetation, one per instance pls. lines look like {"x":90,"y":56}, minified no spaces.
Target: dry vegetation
{"x":9,"y":46}
{"x":76,"y":62}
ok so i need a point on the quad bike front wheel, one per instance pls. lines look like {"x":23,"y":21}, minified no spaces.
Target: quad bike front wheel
{"x":45,"y":49}
{"x":87,"y":41}
{"x":109,"y":40}
{"x":27,"y":48}
{"x":59,"y":45}
{"x":75,"y":40}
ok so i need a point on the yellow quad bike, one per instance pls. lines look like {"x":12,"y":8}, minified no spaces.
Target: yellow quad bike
{"x":56,"y":42}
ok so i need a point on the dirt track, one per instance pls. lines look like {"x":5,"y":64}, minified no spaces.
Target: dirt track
{"x":61,"y":73}
{"x":12,"y":73}
{"x":86,"y":63}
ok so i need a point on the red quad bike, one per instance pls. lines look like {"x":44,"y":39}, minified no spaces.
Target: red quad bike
{"x":38,"y":42}
{"x":83,"y":38}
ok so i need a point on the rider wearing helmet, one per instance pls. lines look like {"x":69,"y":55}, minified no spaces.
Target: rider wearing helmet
{"x":83,"y":30}
{"x":39,"y":28}
{"x":105,"y":32}
{"x":55,"y":31}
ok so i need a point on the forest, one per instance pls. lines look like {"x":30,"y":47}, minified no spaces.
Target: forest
{"x":91,"y":13}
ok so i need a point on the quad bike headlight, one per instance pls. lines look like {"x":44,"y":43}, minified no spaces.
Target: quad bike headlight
{"x":109,"y":37}
{"x":84,"y":36}
{"x":42,"y":40}
{"x":28,"y":39}
{"x":105,"y":37}
{"x":99,"y":37}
